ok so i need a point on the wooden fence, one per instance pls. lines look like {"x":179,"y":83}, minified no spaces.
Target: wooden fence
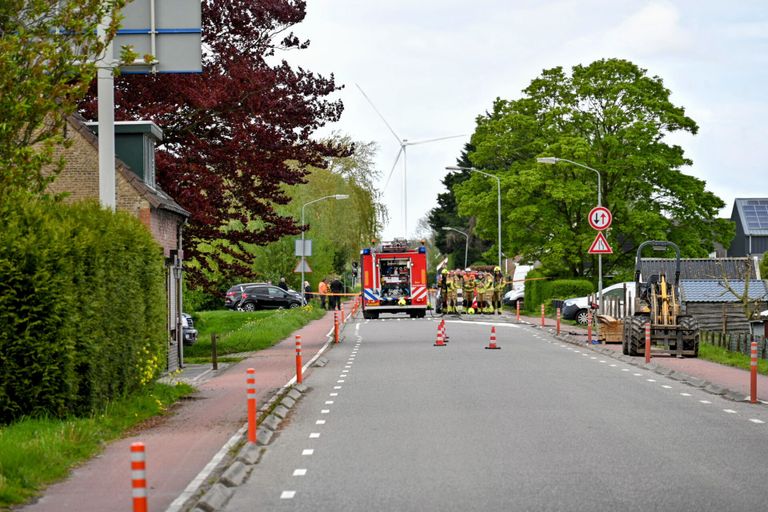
{"x":736,"y":342}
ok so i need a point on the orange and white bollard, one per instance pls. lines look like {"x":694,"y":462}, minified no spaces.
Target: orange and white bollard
{"x":558,"y":321}
{"x":439,"y":342}
{"x":589,"y":327}
{"x":648,"y":343}
{"x":138,"y":477}
{"x":492,"y":343}
{"x":542,"y":316}
{"x":251,"y":396}
{"x":299,"y":376}
{"x":335,"y":326}
{"x":753,"y":374}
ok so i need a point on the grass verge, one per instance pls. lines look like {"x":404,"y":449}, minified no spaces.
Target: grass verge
{"x":725,"y":357}
{"x":35,"y":452}
{"x":242,"y":331}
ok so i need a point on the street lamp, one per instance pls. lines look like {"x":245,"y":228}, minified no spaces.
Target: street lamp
{"x":466,"y":245}
{"x":551,"y":160}
{"x":498,"y":197}
{"x":303,"y":248}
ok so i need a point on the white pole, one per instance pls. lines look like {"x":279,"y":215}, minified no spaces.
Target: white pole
{"x":106,"y":112}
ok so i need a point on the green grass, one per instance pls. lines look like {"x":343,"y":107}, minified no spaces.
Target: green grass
{"x":725,"y":357}
{"x":241,"y":331}
{"x":37,"y":452}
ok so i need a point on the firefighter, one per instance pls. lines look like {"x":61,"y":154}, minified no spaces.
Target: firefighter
{"x":490,"y":289}
{"x":443,"y":285}
{"x":480,"y":288}
{"x":469,"y":292}
{"x":498,"y":289}
{"x":455,"y":284}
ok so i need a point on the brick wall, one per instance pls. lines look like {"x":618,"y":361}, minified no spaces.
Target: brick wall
{"x":164,"y":225}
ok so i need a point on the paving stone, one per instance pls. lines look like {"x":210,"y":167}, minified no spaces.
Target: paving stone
{"x":736,"y":396}
{"x":679,"y":376}
{"x":235,"y":475}
{"x":697,"y":382}
{"x":288,"y":402}
{"x":250,"y":454}
{"x":295,"y":394}
{"x":215,"y":498}
{"x":302,"y":388}
{"x":264,"y":436}
{"x":715,"y":389}
{"x":272,"y":422}
{"x":663,"y":370}
{"x":280,"y":411}
{"x":321,"y":361}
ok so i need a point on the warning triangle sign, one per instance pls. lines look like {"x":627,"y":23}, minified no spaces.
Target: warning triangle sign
{"x":303,"y":266}
{"x":600,"y":245}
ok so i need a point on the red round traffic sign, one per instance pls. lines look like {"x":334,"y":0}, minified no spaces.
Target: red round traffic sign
{"x":600,"y":218}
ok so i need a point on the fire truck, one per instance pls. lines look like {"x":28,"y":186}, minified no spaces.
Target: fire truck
{"x":394,"y":279}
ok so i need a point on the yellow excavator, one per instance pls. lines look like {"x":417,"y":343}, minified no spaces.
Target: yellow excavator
{"x":657,"y":302}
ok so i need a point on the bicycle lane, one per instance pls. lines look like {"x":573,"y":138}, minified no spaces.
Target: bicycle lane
{"x":180,"y":445}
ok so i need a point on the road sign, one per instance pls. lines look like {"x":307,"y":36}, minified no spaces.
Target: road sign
{"x":306,"y":251}
{"x":600,"y":245}
{"x":600,"y":218}
{"x":302,"y":266}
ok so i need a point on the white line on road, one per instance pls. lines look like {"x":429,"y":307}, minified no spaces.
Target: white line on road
{"x":729,"y":411}
{"x":336,"y":387}
{"x":666,"y":387}
{"x":755,"y":420}
{"x":328,"y":402}
{"x":320,"y":422}
{"x":651,"y":380}
{"x":325,"y":411}
{"x":333,"y":394}
{"x":705,"y":401}
{"x":340,"y":382}
{"x":309,"y":451}
{"x":299,"y":472}
{"x":287,"y":495}
{"x":314,"y":435}
{"x":685,"y":394}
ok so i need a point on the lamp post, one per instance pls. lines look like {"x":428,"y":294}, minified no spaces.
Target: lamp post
{"x":498,"y":198}
{"x":303,"y":248}
{"x":551,"y":160}
{"x":466,"y":244}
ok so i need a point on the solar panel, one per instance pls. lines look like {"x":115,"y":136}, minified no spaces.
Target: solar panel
{"x":756,"y":213}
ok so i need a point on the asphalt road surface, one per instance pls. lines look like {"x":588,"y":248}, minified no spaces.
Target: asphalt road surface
{"x":394,"y":423}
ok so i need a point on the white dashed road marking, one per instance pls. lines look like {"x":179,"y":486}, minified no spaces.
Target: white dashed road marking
{"x":729,"y":411}
{"x":310,"y":451}
{"x":320,"y":422}
{"x":299,"y":472}
{"x":754,"y":420}
{"x":287,"y":495}
{"x":314,"y":435}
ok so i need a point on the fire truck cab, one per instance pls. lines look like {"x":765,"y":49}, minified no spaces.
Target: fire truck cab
{"x":394,"y":279}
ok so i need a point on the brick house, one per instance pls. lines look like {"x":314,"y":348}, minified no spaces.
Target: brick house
{"x":137,"y":194}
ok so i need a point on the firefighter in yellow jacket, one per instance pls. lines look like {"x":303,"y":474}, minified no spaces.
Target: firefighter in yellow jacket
{"x":498,"y":289}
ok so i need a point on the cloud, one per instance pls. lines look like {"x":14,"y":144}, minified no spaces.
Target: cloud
{"x":653,"y":30}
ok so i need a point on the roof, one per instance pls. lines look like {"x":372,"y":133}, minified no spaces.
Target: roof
{"x":156,"y":197}
{"x":700,"y":268}
{"x":714,"y":290}
{"x":752,"y":214}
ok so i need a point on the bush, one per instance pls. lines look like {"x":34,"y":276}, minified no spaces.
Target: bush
{"x":82,"y":307}
{"x":543,"y":291}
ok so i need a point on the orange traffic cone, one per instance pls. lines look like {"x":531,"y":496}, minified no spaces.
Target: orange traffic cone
{"x":446,"y":339}
{"x":439,"y":342}
{"x":492,"y":345}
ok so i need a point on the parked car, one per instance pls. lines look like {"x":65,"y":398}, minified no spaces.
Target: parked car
{"x":189,"y":333}
{"x":512,"y":297}
{"x":267,"y":296}
{"x":577,"y":308}
{"x":235,"y":294}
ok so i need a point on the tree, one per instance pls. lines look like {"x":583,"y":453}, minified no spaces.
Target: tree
{"x":611,"y":116}
{"x":236,"y":135}
{"x":47,"y":52}
{"x":446,"y":215}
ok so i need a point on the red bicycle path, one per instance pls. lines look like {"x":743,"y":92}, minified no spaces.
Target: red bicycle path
{"x":728,"y":377}
{"x":181,"y":444}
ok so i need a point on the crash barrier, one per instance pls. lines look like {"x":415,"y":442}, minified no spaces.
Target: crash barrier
{"x":492,"y":342}
{"x":648,"y":343}
{"x":250,"y":381}
{"x":138,"y":477}
{"x":753,"y":374}
{"x":299,"y":376}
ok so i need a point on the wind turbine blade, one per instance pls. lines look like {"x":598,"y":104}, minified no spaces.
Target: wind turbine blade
{"x":399,"y":141}
{"x":397,"y":159}
{"x":413,"y":143}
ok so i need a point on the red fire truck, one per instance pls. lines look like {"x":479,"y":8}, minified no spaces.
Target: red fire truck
{"x":394,"y":279}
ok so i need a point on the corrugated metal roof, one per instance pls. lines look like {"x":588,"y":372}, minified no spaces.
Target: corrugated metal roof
{"x":699,"y":268}
{"x":713,"y":290}
{"x":753,"y":215}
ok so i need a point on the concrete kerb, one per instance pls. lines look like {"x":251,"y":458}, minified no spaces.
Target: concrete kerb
{"x":205,"y":492}
{"x":690,"y":380}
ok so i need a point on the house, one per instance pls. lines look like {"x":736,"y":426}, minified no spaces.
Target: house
{"x":711,"y":288}
{"x":138,"y":194}
{"x":751,"y":218}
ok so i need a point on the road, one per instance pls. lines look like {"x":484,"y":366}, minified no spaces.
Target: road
{"x":394,"y":423}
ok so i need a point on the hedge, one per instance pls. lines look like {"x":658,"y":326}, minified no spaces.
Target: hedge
{"x":82,"y":307}
{"x":543,"y":291}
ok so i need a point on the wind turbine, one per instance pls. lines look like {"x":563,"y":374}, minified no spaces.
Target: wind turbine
{"x":404,"y":143}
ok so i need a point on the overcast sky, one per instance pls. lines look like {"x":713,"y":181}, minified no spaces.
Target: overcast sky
{"x":432,"y":66}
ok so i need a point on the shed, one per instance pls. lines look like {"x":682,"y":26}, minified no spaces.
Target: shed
{"x":751,"y":218}
{"x":719,"y":309}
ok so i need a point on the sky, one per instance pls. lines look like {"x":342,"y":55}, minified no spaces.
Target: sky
{"x":431,"y":67}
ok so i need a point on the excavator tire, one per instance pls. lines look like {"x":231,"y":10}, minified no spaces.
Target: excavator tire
{"x":688,"y":323}
{"x":637,"y":335}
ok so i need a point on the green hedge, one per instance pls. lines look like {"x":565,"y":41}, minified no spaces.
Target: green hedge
{"x":82,"y":307}
{"x":543,"y":291}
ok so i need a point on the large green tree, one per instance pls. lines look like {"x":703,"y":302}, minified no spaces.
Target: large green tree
{"x":47,"y":52}
{"x":611,"y":116}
